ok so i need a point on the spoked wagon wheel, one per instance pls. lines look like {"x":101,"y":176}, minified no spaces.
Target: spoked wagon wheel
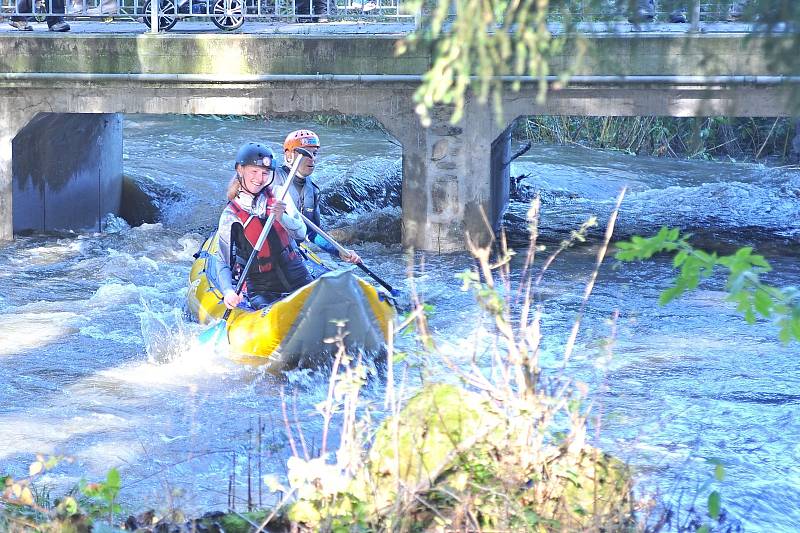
{"x":228,"y":14}
{"x":166,"y":15}
{"x":41,"y":11}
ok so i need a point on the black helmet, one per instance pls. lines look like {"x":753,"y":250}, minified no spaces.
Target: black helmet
{"x":255,"y":154}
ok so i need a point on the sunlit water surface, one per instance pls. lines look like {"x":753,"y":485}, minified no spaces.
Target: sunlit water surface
{"x":98,"y":362}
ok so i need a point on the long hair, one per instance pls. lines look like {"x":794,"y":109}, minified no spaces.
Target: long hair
{"x":233,"y":187}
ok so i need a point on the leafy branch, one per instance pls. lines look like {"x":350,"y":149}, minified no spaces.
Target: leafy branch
{"x":478,"y":43}
{"x":753,"y":298}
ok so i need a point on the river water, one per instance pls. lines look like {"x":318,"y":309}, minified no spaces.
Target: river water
{"x":98,"y":363}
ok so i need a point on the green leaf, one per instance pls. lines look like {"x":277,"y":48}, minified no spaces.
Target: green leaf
{"x":719,"y":472}
{"x":69,"y":506}
{"x":679,"y":258}
{"x":669,"y":295}
{"x":702,"y":529}
{"x":763,"y":303}
{"x":112,"y":479}
{"x":714,"y":504}
{"x":399,"y":357}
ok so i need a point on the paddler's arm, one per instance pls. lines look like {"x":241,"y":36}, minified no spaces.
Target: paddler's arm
{"x":223,"y":254}
{"x":293,"y":223}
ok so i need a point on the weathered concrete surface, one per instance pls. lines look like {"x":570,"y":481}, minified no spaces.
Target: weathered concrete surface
{"x":67,"y":171}
{"x":500,"y":174}
{"x":12,"y":119}
{"x":447,"y":189}
{"x":688,"y":54}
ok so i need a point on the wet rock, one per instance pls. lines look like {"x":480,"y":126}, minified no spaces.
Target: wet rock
{"x":142,"y":520}
{"x":729,"y":211}
{"x":143,"y":201}
{"x":372,"y":184}
{"x":76,"y":523}
{"x":382,"y":226}
{"x":445,"y":435}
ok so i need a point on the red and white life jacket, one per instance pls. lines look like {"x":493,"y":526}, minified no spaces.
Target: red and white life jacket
{"x":253,"y":226}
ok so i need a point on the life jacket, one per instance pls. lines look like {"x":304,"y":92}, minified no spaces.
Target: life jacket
{"x":253,"y":225}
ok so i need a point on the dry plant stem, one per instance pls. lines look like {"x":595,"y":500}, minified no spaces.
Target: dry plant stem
{"x":395,"y":422}
{"x":274,"y":512}
{"x":328,"y":410}
{"x":348,"y":438}
{"x":286,"y":424}
{"x":425,"y":484}
{"x":590,"y":285}
{"x":389,"y":399}
{"x":767,"y":139}
{"x":243,"y":517}
{"x":232,"y":483}
{"x":249,"y":480}
{"x":415,"y":314}
{"x":22,"y":521}
{"x":563,"y":246}
{"x":609,"y":349}
{"x":260,"y":453}
{"x":16,"y":501}
{"x":300,"y":434}
{"x":430,"y":507}
{"x":505,"y":267}
{"x":533,"y":228}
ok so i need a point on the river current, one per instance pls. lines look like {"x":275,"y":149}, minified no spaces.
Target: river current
{"x":99,"y":364}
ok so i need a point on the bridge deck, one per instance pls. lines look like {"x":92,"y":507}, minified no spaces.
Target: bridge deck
{"x":195,"y":25}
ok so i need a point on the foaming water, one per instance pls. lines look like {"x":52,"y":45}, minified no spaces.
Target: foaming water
{"x":99,"y":362}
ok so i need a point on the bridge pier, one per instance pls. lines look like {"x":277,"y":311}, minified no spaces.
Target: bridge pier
{"x":447,"y":193}
{"x":59,"y":171}
{"x":12,"y":119}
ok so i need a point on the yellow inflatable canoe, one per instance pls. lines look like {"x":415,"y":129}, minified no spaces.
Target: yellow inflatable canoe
{"x":292,"y":331}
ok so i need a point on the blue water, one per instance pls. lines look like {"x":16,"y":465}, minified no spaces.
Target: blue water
{"x":98,"y":363}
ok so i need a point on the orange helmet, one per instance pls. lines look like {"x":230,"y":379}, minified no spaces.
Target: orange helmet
{"x":301,"y":139}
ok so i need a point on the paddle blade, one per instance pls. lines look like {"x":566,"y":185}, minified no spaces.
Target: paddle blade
{"x":214,"y":334}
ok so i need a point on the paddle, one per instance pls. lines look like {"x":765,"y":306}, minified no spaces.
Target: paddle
{"x":215,"y":331}
{"x":342,"y":250}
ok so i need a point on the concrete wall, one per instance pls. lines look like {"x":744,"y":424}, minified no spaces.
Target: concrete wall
{"x":500,"y":177}
{"x":67,"y":171}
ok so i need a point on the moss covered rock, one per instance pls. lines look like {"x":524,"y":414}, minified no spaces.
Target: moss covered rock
{"x":463,"y":455}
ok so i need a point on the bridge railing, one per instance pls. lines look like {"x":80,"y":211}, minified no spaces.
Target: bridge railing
{"x":263,"y":10}
{"x":368,"y":10}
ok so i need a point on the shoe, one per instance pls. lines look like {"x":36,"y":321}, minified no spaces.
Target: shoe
{"x":641,"y":17}
{"x":678,"y":17}
{"x":95,"y":11}
{"x":60,"y":26}
{"x":21,"y":25}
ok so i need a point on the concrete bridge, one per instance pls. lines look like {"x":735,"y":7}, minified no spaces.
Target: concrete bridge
{"x":54,"y":86}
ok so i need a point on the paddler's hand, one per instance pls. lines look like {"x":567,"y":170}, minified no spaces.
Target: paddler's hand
{"x":350,"y":256}
{"x":232,"y":299}
{"x":278,"y":209}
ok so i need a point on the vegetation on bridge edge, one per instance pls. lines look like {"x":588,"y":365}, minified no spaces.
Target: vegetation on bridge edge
{"x":484,"y":41}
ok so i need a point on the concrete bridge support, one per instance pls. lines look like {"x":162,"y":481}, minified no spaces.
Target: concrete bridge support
{"x":12,"y":119}
{"x":64,"y":173}
{"x":447,"y":193}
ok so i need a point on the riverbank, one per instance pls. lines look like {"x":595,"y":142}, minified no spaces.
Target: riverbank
{"x":773,"y":141}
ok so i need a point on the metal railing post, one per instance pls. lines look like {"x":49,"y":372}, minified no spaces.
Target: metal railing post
{"x":154,"y":9}
{"x":695,"y":16}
